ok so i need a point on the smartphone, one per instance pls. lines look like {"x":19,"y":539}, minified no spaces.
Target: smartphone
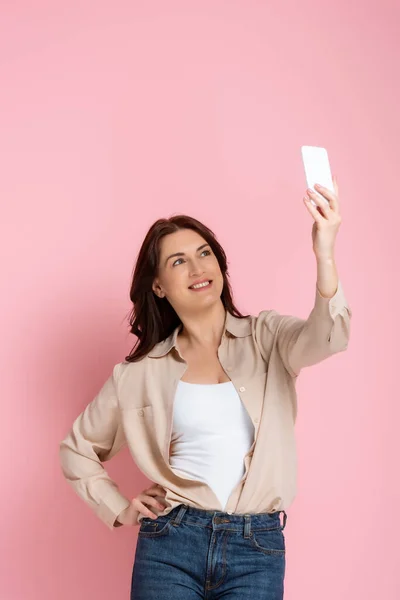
{"x":317,"y":169}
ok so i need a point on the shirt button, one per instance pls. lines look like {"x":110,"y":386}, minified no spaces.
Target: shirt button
{"x":256,"y":420}
{"x":229,"y":368}
{"x":141,"y":413}
{"x":229,"y":512}
{"x":242,"y":389}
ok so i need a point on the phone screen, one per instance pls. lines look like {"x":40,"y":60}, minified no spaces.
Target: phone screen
{"x":317,"y":168}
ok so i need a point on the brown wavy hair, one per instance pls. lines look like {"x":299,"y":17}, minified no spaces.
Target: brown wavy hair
{"x":153,"y":319}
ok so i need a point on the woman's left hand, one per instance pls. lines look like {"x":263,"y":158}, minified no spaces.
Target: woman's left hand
{"x":327,"y":219}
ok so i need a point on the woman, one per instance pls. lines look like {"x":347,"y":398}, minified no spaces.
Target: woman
{"x":207,"y":405}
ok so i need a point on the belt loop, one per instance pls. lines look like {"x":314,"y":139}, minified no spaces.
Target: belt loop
{"x":284,"y":519}
{"x":178,"y":518}
{"x":247,"y":526}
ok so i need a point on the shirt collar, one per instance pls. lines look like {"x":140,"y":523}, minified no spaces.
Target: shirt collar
{"x":233,"y":325}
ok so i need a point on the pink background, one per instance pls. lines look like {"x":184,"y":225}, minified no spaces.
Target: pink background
{"x":115,"y":114}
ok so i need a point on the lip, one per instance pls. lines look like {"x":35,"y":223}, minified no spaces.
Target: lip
{"x":201,"y":281}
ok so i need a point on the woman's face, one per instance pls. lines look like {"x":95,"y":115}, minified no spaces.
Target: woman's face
{"x":196,"y":262}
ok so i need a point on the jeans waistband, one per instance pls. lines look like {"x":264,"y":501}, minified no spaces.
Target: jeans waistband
{"x":224,"y":520}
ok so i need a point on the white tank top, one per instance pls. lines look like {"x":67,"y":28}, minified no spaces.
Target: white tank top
{"x":211,"y":434}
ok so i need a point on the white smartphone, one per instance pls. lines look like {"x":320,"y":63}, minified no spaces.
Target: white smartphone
{"x":317,"y":168}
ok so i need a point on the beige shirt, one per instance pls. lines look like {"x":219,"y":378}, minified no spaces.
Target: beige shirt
{"x":263,"y":356}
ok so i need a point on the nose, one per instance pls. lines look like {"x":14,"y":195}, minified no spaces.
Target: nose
{"x":195,"y":269}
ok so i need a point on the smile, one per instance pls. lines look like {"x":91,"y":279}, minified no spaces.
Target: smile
{"x":201,"y":286}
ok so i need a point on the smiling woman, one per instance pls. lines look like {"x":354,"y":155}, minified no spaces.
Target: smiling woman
{"x":193,"y":405}
{"x":181,"y":270}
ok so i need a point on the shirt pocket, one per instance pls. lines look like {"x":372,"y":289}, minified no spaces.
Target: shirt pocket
{"x":143,"y":434}
{"x":138,"y":424}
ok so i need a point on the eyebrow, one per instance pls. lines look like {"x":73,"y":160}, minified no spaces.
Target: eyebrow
{"x":182,"y":253}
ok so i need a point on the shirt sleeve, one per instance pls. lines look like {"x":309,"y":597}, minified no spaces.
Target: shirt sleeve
{"x":305,"y":342}
{"x":95,"y":437}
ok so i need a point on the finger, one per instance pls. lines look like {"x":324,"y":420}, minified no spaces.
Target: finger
{"x":138,"y":505}
{"x":155,"y":490}
{"x":321,"y":203}
{"x":151,"y":501}
{"x":313,"y":209}
{"x":332,"y":197}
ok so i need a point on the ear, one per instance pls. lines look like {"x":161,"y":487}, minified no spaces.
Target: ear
{"x":157,"y":289}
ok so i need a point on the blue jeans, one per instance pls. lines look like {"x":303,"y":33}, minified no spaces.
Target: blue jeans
{"x":198,"y":554}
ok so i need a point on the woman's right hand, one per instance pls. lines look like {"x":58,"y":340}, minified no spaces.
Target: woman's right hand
{"x":140,"y":504}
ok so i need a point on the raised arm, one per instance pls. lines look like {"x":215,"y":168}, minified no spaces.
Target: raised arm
{"x":305,"y":342}
{"x":326,"y":331}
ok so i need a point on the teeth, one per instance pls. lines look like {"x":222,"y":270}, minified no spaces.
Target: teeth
{"x":199,"y":285}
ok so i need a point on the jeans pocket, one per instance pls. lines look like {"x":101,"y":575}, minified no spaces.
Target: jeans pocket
{"x":154,"y":527}
{"x":269,"y":541}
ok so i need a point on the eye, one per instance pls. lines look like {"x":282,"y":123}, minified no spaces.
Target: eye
{"x":178,"y":263}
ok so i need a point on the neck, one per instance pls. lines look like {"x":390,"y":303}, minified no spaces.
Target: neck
{"x":203,"y":329}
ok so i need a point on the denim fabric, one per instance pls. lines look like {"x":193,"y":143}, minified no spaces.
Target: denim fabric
{"x":193,"y":554}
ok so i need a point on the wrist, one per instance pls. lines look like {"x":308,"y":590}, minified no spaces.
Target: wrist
{"x":126,"y":516}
